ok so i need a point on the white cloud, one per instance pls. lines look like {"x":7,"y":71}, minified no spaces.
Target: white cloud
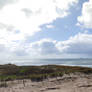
{"x":49,"y":26}
{"x":79,"y":45}
{"x":6,"y":2}
{"x":4,"y":53}
{"x":21,"y":18}
{"x":45,"y":47}
{"x":25,"y":17}
{"x":28,"y":15}
{"x":85,"y":19}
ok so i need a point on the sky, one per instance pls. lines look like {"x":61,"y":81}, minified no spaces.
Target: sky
{"x":45,"y":29}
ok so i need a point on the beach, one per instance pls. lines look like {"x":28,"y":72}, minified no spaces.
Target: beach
{"x":67,"y":83}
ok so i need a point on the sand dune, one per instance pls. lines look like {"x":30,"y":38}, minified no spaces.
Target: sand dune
{"x":67,"y":83}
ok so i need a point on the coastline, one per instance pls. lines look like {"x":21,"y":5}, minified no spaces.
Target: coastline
{"x":46,"y":78}
{"x":82,"y":62}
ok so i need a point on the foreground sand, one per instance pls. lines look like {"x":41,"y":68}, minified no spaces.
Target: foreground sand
{"x":68,"y":83}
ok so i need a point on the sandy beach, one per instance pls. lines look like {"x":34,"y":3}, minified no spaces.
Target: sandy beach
{"x":67,"y":83}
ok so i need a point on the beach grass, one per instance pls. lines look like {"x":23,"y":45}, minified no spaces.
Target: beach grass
{"x":38,"y":73}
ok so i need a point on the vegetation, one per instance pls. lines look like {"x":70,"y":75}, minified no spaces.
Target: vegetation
{"x":37,"y":73}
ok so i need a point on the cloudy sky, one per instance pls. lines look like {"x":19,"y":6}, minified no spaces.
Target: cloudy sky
{"x":45,"y":29}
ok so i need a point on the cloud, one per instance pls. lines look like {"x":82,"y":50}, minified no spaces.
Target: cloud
{"x":45,"y":47}
{"x":79,"y":44}
{"x":49,"y":26}
{"x":27,"y":12}
{"x":4,"y":53}
{"x":85,"y":19}
{"x":20,"y":52}
{"x":6,"y":2}
{"x":28,"y":15}
{"x":2,"y":47}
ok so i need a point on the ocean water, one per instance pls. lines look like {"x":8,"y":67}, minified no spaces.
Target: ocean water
{"x":69,"y":62}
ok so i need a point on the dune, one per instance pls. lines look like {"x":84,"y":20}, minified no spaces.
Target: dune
{"x":67,"y":83}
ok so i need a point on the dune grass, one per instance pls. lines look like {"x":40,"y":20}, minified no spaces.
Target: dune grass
{"x":38,"y":73}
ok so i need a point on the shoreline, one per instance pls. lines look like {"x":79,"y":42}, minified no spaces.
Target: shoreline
{"x":58,"y":61}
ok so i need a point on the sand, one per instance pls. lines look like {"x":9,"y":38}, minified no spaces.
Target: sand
{"x":68,"y":83}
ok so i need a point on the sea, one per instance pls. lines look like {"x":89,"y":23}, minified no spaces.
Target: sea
{"x":69,"y":62}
